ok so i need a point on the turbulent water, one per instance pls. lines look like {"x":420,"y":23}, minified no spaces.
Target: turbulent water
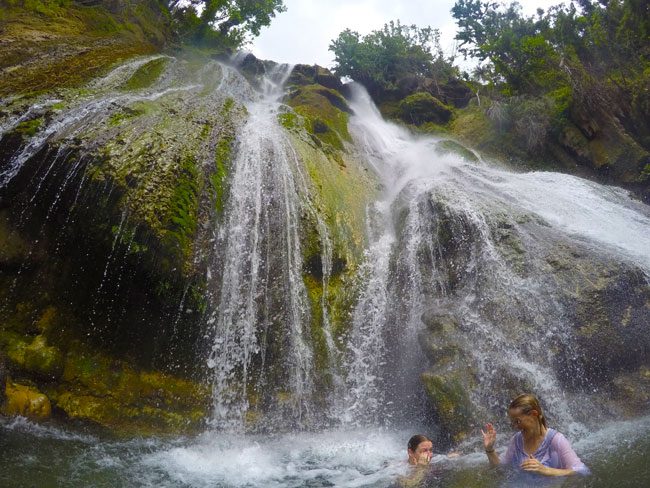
{"x":499,"y":294}
{"x":260,"y":296}
{"x":47,"y":455}
{"x":259,"y":309}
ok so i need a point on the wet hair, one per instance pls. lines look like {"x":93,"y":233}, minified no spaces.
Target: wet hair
{"x":528,"y":402}
{"x":416,"y":440}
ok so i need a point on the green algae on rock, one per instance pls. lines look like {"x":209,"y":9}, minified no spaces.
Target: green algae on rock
{"x":423,"y":107}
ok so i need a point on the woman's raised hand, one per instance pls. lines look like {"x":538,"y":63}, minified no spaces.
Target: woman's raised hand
{"x":489,"y":437}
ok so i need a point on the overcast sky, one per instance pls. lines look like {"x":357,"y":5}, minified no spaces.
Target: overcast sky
{"x":304,"y":32}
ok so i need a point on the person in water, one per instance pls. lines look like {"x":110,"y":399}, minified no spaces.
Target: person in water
{"x":419,"y":450}
{"x":535,"y":448}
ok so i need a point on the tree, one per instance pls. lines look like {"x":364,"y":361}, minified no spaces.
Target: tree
{"x":383,"y":57}
{"x":518,"y":47}
{"x":223,"y":21}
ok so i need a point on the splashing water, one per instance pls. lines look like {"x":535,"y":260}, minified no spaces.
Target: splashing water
{"x":494,"y":295}
{"x":261,"y":298}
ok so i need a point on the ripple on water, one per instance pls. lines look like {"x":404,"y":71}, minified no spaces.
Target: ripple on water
{"x":617,"y":454}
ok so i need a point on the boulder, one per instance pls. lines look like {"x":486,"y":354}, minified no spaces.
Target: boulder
{"x":422,"y":107}
{"x":304,"y":74}
{"x":26,"y":401}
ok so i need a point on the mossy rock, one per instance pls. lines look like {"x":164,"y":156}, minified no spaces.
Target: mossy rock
{"x":146,"y":74}
{"x":325,"y":112}
{"x":43,"y":360}
{"x":56,"y":45}
{"x":423,"y":107}
{"x":14,"y":346}
{"x":14,"y":249}
{"x":29,"y":128}
{"x":26,"y":401}
{"x":451,"y":403}
{"x":110,"y":392}
{"x":303,"y":74}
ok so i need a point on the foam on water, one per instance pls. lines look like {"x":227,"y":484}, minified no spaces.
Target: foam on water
{"x":341,"y":458}
{"x":42,"y":431}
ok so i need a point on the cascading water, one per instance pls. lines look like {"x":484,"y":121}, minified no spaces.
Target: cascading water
{"x":468,"y":244}
{"x":260,"y":319}
{"x":465,"y":280}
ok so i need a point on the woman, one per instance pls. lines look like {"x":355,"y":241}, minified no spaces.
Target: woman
{"x":535,"y":448}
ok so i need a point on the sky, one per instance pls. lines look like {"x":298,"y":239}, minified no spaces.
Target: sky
{"x":304,"y":32}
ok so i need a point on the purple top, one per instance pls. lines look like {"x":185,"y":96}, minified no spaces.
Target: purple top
{"x":555,"y":452}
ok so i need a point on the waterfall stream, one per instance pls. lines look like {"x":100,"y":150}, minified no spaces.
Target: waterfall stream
{"x":261,"y":294}
{"x":507,"y":226}
{"x":469,"y":277}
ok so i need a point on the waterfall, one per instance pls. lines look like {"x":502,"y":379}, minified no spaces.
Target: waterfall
{"x":260,"y":319}
{"x":460,"y":251}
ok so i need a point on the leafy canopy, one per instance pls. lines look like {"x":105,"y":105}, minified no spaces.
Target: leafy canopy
{"x":222,"y":22}
{"x":379,"y":59}
{"x":541,"y":52}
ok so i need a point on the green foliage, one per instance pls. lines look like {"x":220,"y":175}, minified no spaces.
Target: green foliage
{"x":563,"y":70}
{"x":224,"y":23}
{"x":384,"y":56}
{"x":550,"y":50}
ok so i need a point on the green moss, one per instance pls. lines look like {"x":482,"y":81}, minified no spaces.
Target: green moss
{"x":42,"y":359}
{"x":314,"y":289}
{"x":184,"y":206}
{"x":29,"y":127}
{"x":52,"y":8}
{"x":14,"y":346}
{"x":111,"y":393}
{"x":423,"y":107}
{"x":222,"y":156}
{"x":125,"y":114}
{"x":146,"y":75}
{"x":288,"y":120}
{"x":321,"y":109}
{"x":451,"y":403}
{"x":75,"y":44}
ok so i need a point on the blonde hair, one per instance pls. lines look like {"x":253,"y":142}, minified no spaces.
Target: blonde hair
{"x":528,"y":402}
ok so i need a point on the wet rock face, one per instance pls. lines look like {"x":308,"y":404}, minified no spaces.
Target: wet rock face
{"x":100,"y":235}
{"x":611,"y":315}
{"x":3,"y":378}
{"x":541,"y":314}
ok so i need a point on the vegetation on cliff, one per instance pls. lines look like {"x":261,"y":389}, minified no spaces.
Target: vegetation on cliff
{"x":221,"y":23}
{"x":570,"y":78}
{"x":566,"y":88}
